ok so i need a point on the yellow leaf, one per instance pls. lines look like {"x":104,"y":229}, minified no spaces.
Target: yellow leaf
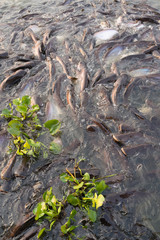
{"x":26,"y":145}
{"x":54,"y":200}
{"x":99,"y":201}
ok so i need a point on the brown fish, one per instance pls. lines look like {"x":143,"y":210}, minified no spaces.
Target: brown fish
{"x":97,"y":76}
{"x":146,"y":18}
{"x":114,"y":179}
{"x":110,"y":79}
{"x":99,"y":52}
{"x":20,"y":171}
{"x":156,"y":54}
{"x":3,"y":54}
{"x":55,"y":104}
{"x":24,"y":222}
{"x":13,"y":37}
{"x":130,"y":137}
{"x":118,"y":85}
{"x":85,"y":33}
{"x":56,"y":89}
{"x":29,"y":16}
{"x":92,"y":128}
{"x":52,"y":69}
{"x":14,"y":78}
{"x":131,"y":150}
{"x":129,"y":87}
{"x":83,"y":52}
{"x":7,"y":170}
{"x":125,"y":128}
{"x":38,"y":45}
{"x":30,"y":233}
{"x":115,"y":50}
{"x":133,"y":56}
{"x":82,"y":76}
{"x":46,"y":36}
{"x":84,"y":98}
{"x":63,"y":65}
{"x":28,"y":65}
{"x":70,"y":98}
{"x":151,"y":49}
{"x":101,"y":125}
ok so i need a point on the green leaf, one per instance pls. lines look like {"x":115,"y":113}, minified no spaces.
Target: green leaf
{"x":26,"y":100}
{"x":53,"y":126}
{"x":35,"y":210}
{"x":31,"y":153}
{"x":59,"y":209}
{"x":41,"y":232}
{"x":79,"y":185}
{"x":25,"y":134}
{"x":22,"y":109}
{"x":51,"y":214}
{"x":92,"y":215}
{"x":89,"y":195}
{"x":16,"y":101}
{"x":70,"y":229}
{"x":14,"y":131}
{"x":35,"y":107}
{"x":53,"y":200}
{"x":86,"y":176}
{"x":39,"y":211}
{"x":73,"y":200}
{"x":51,"y":225}
{"x":6,"y":112}
{"x":47,"y":196}
{"x":45,"y":154}
{"x":31,"y":142}
{"x":101,"y":186}
{"x":89,"y":185}
{"x":63,"y":177}
{"x":72,"y":214}
{"x":55,"y":147}
{"x":14,"y":127}
{"x":64,"y":229}
{"x":15,"y":124}
{"x":37,"y":144}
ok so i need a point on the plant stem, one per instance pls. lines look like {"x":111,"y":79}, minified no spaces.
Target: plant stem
{"x":71,"y":175}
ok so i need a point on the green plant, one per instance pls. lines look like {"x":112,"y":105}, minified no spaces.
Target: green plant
{"x":84,"y":194}
{"x":25,"y":127}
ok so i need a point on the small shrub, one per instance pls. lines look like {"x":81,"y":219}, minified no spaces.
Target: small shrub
{"x":25,"y":128}
{"x":84,"y":194}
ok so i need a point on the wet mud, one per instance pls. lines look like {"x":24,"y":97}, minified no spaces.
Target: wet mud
{"x":95,"y":66}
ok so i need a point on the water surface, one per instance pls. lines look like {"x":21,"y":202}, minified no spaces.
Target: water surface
{"x":126,"y":92}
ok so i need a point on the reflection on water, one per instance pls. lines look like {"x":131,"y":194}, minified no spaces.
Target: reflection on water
{"x":106,"y":93}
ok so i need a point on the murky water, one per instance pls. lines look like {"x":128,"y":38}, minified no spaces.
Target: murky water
{"x":111,"y":118}
{"x":154,"y":3}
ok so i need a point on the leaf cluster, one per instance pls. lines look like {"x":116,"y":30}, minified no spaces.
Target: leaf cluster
{"x":84,"y":194}
{"x":25,"y":127}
